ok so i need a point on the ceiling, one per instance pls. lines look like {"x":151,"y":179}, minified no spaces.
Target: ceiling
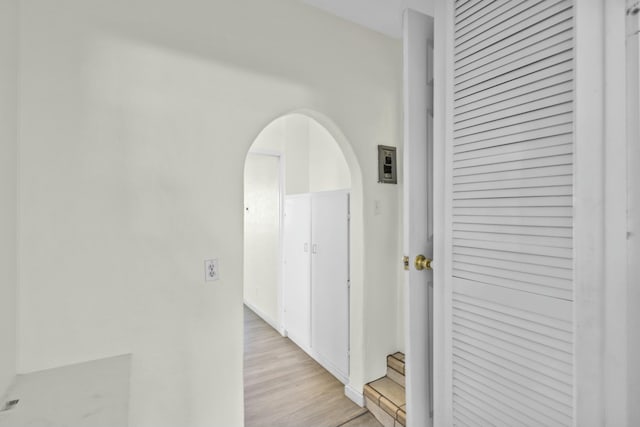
{"x":384,"y":16}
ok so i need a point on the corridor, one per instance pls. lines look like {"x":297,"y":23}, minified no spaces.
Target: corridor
{"x":285,"y":387}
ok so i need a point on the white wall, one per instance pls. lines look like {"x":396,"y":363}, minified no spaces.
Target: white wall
{"x":313,"y":159}
{"x":296,"y":151}
{"x":289,"y":136}
{"x":8,"y":187}
{"x":135,"y":120}
{"x":328,"y":169}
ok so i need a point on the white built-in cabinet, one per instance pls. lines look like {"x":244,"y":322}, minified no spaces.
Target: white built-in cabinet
{"x":316,"y":277}
{"x":297,"y":269}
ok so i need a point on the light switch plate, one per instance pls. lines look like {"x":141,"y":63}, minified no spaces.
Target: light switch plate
{"x":211,"y":271}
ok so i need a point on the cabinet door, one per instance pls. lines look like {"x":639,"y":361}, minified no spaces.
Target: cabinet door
{"x":297,"y":244}
{"x":330,"y":281}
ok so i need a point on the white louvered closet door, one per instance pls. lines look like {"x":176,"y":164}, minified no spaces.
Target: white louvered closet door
{"x":510,"y":325}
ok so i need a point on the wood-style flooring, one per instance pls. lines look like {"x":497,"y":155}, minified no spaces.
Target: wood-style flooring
{"x":284,"y":387}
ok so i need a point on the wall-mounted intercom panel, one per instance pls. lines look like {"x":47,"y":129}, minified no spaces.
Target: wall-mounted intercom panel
{"x":387,"y":165}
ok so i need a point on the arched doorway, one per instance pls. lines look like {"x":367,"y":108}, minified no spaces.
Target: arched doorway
{"x":299,"y":153}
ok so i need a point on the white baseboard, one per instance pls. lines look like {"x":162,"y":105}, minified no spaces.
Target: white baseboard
{"x":356,"y":396}
{"x":271,"y":322}
{"x":303,"y":346}
{"x":333,"y":370}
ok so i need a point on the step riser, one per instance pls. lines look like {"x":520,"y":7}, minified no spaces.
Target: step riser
{"x":385,"y":419}
{"x":385,"y":399}
{"x":396,"y":376}
{"x":395,"y":364}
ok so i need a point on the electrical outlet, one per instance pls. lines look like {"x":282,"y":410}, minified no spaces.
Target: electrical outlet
{"x":211,"y":271}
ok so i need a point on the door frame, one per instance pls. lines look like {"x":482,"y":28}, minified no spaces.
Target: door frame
{"x":357,"y":250}
{"x":277,"y":323}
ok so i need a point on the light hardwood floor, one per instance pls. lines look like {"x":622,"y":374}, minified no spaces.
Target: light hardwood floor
{"x":284,"y":387}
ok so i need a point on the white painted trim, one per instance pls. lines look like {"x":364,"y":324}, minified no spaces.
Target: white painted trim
{"x":633,"y":216}
{"x":589,"y":220}
{"x":616,"y":372}
{"x":442,"y":155}
{"x":265,"y":152}
{"x":340,"y":376}
{"x":281,"y":199}
{"x":271,"y":322}
{"x":298,"y":342}
{"x":356,"y":396}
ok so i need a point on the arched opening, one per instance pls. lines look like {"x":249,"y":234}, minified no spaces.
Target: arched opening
{"x":301,"y":155}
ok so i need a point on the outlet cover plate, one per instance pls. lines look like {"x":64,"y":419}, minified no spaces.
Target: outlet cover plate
{"x":211,"y":270}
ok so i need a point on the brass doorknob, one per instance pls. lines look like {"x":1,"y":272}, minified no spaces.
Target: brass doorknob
{"x":423,"y":263}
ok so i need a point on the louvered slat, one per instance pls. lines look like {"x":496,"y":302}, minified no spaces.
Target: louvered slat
{"x":513,"y":109}
{"x":539,"y":136}
{"x":508,"y":25}
{"x":512,"y":214}
{"x":521,"y":248}
{"x":533,"y":412}
{"x":540,"y":172}
{"x":546,"y":77}
{"x":527,"y":39}
{"x":511,"y":283}
{"x":534,"y":54}
{"x":463,"y":90}
{"x":506,"y":123}
{"x":516,"y":220}
{"x":562,"y":273}
{"x":517,"y":146}
{"x":562,"y":232}
{"x":543,"y":401}
{"x":516,"y":131}
{"x":473,"y":9}
{"x":505,"y":154}
{"x":527,"y":355}
{"x":495,"y":8}
{"x":540,"y":90}
{"x":514,"y":378}
{"x":479,"y":329}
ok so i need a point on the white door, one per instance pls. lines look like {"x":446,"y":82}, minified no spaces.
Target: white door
{"x":262,"y":236}
{"x":505,"y":306}
{"x":418,"y":221}
{"x":330,"y":281}
{"x":297,"y":263}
